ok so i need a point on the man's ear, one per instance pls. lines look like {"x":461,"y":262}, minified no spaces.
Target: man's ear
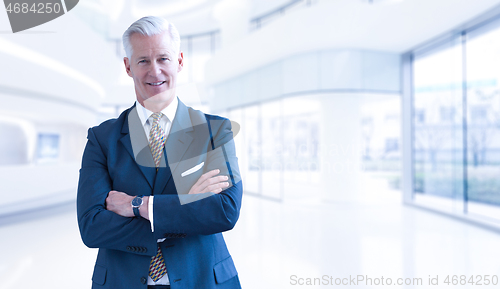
{"x":181,"y":61}
{"x":126,"y":61}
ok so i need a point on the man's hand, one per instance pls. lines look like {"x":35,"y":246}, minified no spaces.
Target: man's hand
{"x":121,"y":204}
{"x":209,"y":182}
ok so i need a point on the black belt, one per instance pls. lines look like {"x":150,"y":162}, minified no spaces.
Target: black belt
{"x":158,"y":286}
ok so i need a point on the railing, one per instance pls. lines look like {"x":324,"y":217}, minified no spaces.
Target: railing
{"x":257,"y":22}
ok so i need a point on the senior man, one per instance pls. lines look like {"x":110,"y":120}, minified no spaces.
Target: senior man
{"x":161,"y":182}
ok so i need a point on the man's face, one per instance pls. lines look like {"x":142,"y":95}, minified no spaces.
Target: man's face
{"x":154,"y":66}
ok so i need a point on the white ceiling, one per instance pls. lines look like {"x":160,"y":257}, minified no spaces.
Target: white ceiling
{"x":384,"y":25}
{"x":189,"y":16}
{"x":393,"y":26}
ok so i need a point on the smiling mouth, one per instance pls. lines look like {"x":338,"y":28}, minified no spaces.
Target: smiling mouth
{"x":156,"y":83}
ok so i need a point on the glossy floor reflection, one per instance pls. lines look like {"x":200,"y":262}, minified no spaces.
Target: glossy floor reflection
{"x":275,"y":244}
{"x":45,"y":252}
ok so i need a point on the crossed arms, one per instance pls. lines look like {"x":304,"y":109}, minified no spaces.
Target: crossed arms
{"x":119,"y":202}
{"x":109,"y":180}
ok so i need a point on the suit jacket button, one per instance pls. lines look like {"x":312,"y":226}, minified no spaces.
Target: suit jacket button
{"x":144,"y":280}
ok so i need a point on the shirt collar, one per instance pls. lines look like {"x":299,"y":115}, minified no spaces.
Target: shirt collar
{"x":145,"y":113}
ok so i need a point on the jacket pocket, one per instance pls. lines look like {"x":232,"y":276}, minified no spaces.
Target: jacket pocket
{"x":224,"y":270}
{"x":193,"y":169}
{"x":99,"y":276}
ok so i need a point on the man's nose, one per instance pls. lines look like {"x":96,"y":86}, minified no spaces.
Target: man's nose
{"x":155,"y":69}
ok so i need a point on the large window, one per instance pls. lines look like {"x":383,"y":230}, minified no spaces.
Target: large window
{"x":483,"y":121}
{"x":456,"y":123}
{"x":437,"y":126}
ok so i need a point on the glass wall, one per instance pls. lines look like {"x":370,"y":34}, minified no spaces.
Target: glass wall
{"x":438,"y":126}
{"x":250,"y":129}
{"x":483,"y":120}
{"x":272,"y":149}
{"x":456,"y":123}
{"x":278,"y":145}
{"x":301,"y":154}
{"x":283,"y":145}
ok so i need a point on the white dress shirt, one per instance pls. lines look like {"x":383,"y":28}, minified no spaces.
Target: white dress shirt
{"x":146,"y":118}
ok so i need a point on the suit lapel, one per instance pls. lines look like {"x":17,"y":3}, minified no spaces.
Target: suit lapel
{"x":135,"y":142}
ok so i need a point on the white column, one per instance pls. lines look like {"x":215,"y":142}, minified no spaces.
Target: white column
{"x":340,"y":147}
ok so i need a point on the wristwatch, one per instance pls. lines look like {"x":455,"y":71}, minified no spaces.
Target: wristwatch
{"x":136,"y":203}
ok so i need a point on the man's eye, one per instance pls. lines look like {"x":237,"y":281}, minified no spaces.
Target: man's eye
{"x":142,"y":61}
{"x":164,"y":59}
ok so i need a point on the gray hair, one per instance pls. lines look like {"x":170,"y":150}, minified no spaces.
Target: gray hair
{"x":149,"y":26}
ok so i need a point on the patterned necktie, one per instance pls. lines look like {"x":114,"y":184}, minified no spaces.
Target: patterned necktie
{"x":157,"y":268}
{"x":156,"y":138}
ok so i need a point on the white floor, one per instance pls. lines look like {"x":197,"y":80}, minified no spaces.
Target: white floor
{"x":277,"y":245}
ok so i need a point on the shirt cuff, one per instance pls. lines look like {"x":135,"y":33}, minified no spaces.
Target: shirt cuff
{"x":150,"y":212}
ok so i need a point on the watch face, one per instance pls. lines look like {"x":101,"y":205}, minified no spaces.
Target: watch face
{"x":136,"y":202}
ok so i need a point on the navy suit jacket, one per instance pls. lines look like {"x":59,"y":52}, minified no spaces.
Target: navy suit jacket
{"x":194,"y":250}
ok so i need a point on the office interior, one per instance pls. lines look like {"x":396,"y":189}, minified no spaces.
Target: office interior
{"x":369,"y":137}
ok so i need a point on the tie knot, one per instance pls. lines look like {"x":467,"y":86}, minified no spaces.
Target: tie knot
{"x":157,"y":116}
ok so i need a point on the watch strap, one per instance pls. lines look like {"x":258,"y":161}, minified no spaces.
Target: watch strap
{"x":136,"y":211}
{"x":136,"y":208}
